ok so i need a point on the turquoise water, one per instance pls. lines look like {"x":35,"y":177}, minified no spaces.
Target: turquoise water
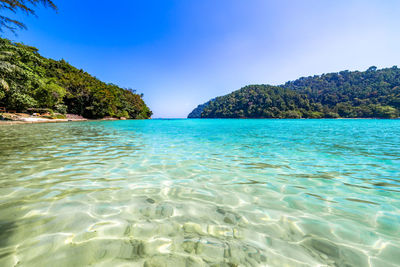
{"x":200,"y":193}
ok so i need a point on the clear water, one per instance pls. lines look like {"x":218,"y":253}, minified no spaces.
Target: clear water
{"x":200,"y":193}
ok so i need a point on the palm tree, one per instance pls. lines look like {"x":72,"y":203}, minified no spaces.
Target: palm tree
{"x":25,"y":6}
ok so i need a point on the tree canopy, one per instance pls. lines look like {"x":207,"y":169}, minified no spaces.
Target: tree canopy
{"x":28,"y":80}
{"x":25,"y":6}
{"x":370,"y":94}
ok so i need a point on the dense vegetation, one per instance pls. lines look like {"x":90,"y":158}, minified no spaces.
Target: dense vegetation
{"x":28,"y":80}
{"x":196,"y":113}
{"x":370,"y":94}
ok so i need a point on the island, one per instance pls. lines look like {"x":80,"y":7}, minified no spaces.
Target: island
{"x":44,"y":89}
{"x":374,"y":93}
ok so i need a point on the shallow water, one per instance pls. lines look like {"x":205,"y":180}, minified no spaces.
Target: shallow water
{"x":201,"y":192}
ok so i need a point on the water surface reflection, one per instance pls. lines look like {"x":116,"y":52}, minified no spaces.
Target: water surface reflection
{"x":201,"y":192}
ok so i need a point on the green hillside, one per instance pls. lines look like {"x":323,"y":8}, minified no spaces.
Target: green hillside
{"x":28,"y":80}
{"x":370,"y":94}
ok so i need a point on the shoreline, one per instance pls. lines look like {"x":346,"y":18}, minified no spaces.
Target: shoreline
{"x":36,"y":121}
{"x":16,"y":122}
{"x":23,"y":118}
{"x":5,"y":122}
{"x":372,"y":118}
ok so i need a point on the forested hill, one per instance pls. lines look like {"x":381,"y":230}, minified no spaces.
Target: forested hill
{"x":370,"y":94}
{"x":196,"y":113}
{"x":28,"y":80}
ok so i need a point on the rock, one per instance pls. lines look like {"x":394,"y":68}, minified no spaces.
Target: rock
{"x":193,"y":228}
{"x":354,"y":257}
{"x":155,"y":262}
{"x":323,"y":246}
{"x":230,"y":218}
{"x":221,"y":211}
{"x":194,"y":262}
{"x":219,"y":231}
{"x":210,"y":251}
{"x":164,"y":210}
{"x":150,"y":200}
{"x":189,"y":246}
{"x":131,"y":249}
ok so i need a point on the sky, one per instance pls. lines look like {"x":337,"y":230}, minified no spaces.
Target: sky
{"x":182,"y":53}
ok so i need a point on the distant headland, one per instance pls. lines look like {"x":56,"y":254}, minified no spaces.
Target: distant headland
{"x":370,"y":94}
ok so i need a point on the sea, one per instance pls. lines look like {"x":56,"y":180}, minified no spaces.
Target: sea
{"x":201,"y":192}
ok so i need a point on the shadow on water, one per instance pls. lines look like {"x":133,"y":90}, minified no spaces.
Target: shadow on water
{"x":7,"y":228}
{"x":261,"y":165}
{"x":362,"y":201}
{"x":249,"y":182}
{"x":320,"y":198}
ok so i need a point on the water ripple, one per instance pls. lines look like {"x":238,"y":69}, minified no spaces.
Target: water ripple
{"x":200,"y":193}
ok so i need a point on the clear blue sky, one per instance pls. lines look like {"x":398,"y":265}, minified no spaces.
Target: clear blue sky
{"x":181,"y":53}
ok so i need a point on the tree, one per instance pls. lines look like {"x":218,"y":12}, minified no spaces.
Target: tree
{"x":25,"y":6}
{"x":374,"y":93}
{"x":28,"y":80}
{"x":49,"y":94}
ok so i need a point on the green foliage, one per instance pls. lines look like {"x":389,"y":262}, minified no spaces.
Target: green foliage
{"x":370,"y":94}
{"x":61,"y":108}
{"x":386,"y":112}
{"x":196,"y":113}
{"x":49,"y":95}
{"x":258,"y":101}
{"x":29,"y":80}
{"x":2,"y":93}
{"x":23,"y":6}
{"x":20,"y":101}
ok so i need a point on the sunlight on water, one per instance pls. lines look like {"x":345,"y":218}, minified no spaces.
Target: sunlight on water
{"x":201,"y":192}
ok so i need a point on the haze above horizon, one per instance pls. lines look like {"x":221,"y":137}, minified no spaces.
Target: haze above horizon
{"x":182,"y":53}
